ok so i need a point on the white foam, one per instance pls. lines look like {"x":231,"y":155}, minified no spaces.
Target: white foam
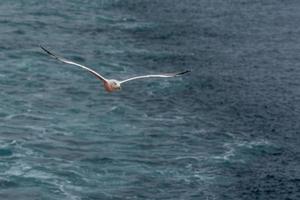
{"x":19,"y":169}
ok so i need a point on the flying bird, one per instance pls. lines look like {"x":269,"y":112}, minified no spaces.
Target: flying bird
{"x":112,"y":85}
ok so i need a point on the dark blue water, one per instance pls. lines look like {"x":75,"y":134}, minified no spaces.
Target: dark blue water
{"x":228,"y":130}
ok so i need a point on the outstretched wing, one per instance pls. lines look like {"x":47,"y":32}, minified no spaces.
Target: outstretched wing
{"x":73,"y":63}
{"x":167,"y":75}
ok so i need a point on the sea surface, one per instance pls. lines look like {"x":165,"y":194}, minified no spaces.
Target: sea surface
{"x":227,"y":130}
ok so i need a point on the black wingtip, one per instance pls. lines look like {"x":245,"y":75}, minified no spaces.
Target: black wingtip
{"x":184,"y":72}
{"x":48,"y":52}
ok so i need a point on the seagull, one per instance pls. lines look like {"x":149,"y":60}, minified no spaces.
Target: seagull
{"x":112,"y":85}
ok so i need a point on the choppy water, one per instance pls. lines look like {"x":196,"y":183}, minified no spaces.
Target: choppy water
{"x":228,"y":130}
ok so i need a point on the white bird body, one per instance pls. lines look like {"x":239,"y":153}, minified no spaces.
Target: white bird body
{"x":112,"y":85}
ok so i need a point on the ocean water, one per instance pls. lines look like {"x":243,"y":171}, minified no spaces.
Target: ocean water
{"x":227,"y":130}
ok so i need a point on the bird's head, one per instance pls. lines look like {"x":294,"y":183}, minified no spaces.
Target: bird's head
{"x":116,"y":85}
